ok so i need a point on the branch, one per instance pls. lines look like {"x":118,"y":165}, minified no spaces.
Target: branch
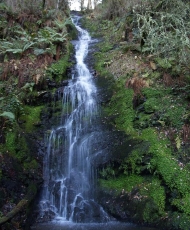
{"x":12,"y":213}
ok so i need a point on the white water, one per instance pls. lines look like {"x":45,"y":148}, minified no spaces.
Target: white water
{"x":69,"y":179}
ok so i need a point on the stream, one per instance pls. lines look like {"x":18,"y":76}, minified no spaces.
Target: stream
{"x":69,"y":191}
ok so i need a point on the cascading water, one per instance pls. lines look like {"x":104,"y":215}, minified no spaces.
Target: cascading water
{"x":69,"y":177}
{"x":72,"y":149}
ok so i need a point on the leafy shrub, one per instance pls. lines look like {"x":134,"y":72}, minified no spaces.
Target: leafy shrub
{"x":112,"y":9}
{"x":180,"y":220}
{"x":165,"y":31}
{"x":59,"y":68}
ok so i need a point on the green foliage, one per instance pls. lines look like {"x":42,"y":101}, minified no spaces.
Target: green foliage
{"x":61,"y":25}
{"x":105,"y":47}
{"x":173,"y":115}
{"x":29,"y":86}
{"x":31,"y":165}
{"x":10,"y":142}
{"x":12,"y":107}
{"x":50,"y":36}
{"x":8,"y":115}
{"x":91,"y":27}
{"x":151,"y":105}
{"x":121,"y":107}
{"x":166,"y":32}
{"x":16,"y":145}
{"x":160,"y":101}
{"x":107,"y":173}
{"x":180,"y":220}
{"x":16,"y":46}
{"x":183,"y":204}
{"x":155,"y":92}
{"x":163,"y":62}
{"x":156,"y":192}
{"x":132,"y":164}
{"x":119,"y":183}
{"x":173,"y":176}
{"x":165,"y":184}
{"x":31,"y":191}
{"x":112,"y":9}
{"x":47,"y":50}
{"x":59,"y":68}
{"x":99,"y":65}
{"x":31,"y":117}
{"x":3,"y":6}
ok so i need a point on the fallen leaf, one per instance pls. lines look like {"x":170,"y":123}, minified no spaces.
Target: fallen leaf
{"x":153,"y":65}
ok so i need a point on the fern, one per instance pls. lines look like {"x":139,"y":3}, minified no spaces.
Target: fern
{"x":50,"y":36}
{"x":8,"y":115}
{"x":16,"y":46}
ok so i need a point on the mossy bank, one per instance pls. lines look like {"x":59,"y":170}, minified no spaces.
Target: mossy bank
{"x":149,"y":101}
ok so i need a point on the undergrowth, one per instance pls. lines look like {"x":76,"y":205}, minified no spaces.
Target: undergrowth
{"x":151,"y":107}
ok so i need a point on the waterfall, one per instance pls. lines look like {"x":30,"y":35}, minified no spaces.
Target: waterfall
{"x":69,"y":178}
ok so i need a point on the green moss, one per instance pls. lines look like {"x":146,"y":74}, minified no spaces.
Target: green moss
{"x":173,"y":175}
{"x":155,"y":92}
{"x":179,"y":220}
{"x":121,"y":108}
{"x":16,"y":145}
{"x":101,"y":59}
{"x":164,"y":185}
{"x":10,"y":141}
{"x":57,"y":70}
{"x":105,"y":47}
{"x":174,"y":113}
{"x":31,"y":117}
{"x":133,"y":164}
{"x":156,"y":192}
{"x":123,"y":182}
{"x":169,"y":109}
{"x":32,"y":165}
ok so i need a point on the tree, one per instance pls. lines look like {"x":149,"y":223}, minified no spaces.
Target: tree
{"x":89,"y":5}
{"x":43,"y":4}
{"x":82,"y":5}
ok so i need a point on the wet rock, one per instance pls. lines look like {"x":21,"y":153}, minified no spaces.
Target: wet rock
{"x":65,"y":83}
{"x":88,"y":211}
{"x":51,"y":84}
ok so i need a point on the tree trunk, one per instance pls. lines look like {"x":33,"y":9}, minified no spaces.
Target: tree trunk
{"x":89,"y":6}
{"x":58,"y":49}
{"x":82,"y":5}
{"x":43,"y":4}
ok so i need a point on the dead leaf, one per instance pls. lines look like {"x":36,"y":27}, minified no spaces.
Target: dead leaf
{"x":153,"y":65}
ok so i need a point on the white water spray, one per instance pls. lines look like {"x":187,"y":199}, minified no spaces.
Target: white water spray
{"x":68,"y":173}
